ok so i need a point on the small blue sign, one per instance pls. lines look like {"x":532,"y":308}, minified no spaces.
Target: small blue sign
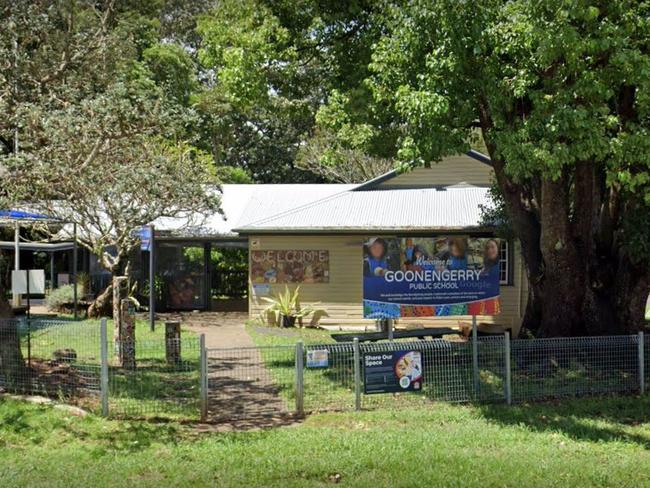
{"x":145,"y":238}
{"x":318,"y":358}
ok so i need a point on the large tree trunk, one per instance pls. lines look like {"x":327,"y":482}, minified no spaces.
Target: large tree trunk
{"x":563,"y":280}
{"x":582,"y":279}
{"x":102,"y":306}
{"x":12,"y":363}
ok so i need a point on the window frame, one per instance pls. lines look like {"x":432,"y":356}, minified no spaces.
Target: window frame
{"x":506,"y":262}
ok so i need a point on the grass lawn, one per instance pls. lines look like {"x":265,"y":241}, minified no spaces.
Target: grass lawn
{"x":83,"y":336}
{"x":590,"y":442}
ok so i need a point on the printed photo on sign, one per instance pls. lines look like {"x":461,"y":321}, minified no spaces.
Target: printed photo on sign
{"x":408,"y":370}
{"x":291,"y":266}
{"x":430,"y":276}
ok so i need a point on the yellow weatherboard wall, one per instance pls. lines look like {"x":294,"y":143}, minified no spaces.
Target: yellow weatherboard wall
{"x":341,"y":298}
{"x":449,"y":171}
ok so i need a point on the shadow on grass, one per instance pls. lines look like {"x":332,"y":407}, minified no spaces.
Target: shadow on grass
{"x":605,"y":419}
{"x":139,"y":435}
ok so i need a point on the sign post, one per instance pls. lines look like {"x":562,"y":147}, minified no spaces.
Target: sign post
{"x":147,"y":244}
{"x":475,"y":373}
{"x":28,"y":282}
{"x":152,"y":284}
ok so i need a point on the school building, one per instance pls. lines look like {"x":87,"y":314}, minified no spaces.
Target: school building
{"x":293,"y":223}
{"x":332,"y":221}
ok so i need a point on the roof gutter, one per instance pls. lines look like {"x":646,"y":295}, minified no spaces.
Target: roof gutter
{"x":366,"y":230}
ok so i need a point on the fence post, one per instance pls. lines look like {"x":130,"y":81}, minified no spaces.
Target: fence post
{"x":475,"y":374}
{"x":508,"y":370}
{"x":357,"y":375}
{"x":641,"y":349}
{"x":203,"y":368}
{"x":103,"y":376}
{"x":300,"y":384}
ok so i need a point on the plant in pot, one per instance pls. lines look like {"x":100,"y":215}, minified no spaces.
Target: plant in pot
{"x":286,"y":306}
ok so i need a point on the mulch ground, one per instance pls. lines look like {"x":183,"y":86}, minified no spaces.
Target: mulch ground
{"x":54,"y":379}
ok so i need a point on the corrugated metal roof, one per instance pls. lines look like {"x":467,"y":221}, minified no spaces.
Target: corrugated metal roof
{"x":242,"y":204}
{"x":38,"y":246}
{"x":452,"y":208}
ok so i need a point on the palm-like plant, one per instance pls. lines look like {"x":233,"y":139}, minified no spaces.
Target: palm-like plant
{"x":287,"y":305}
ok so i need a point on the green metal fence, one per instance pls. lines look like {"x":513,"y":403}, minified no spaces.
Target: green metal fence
{"x":180,"y":378}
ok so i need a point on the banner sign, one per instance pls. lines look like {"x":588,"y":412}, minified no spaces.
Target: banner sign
{"x":392,"y":371}
{"x":430,"y":276}
{"x":291,"y":266}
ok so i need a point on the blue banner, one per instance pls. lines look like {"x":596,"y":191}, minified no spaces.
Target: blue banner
{"x":431,"y":276}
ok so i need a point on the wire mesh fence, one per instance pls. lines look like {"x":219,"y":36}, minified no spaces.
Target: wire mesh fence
{"x":495,"y":369}
{"x":329,"y":387}
{"x":160,"y":383}
{"x":56,"y":358}
{"x":574,"y":366}
{"x":180,"y":378}
{"x":62,"y":360}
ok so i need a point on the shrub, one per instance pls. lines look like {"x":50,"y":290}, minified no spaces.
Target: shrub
{"x":62,"y":296}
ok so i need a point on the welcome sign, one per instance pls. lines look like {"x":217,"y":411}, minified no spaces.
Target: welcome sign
{"x":290,"y":266}
{"x":430,"y":276}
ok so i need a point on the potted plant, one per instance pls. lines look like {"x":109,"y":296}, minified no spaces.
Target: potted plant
{"x":287,"y":306}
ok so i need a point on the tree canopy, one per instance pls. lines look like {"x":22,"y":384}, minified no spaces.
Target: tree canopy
{"x":97,"y":128}
{"x":556,"y":92}
{"x":559,"y":91}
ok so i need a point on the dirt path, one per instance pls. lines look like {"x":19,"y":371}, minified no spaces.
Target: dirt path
{"x":241,"y":388}
{"x":222,"y":330}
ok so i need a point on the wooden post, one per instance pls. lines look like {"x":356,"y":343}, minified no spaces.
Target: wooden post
{"x":119,"y":283}
{"x":173,"y":342}
{"x":127,"y":335}
{"x":104,"y":367}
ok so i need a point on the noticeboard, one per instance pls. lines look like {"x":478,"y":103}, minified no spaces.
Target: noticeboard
{"x":36,"y":281}
{"x":392,"y":371}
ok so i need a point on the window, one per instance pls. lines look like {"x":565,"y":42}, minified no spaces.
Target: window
{"x":504,"y":263}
